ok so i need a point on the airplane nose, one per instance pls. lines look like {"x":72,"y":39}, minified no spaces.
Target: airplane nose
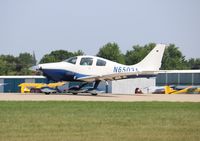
{"x":35,"y":68}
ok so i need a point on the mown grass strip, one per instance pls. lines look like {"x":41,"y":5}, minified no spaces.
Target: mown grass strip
{"x":141,"y":121}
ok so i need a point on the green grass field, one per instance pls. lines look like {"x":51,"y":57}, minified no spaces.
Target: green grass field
{"x":99,"y":121}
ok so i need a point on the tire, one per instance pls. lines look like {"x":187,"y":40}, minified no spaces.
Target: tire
{"x":94,"y":94}
{"x":47,"y":93}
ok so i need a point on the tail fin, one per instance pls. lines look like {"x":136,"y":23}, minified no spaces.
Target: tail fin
{"x":169,"y":90}
{"x":152,"y":61}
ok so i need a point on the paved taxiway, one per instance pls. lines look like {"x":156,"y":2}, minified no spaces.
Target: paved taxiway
{"x":100,"y":97}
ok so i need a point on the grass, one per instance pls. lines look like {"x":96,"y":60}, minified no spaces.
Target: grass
{"x":97,"y":121}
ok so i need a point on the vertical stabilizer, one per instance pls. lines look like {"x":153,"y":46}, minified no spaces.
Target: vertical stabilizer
{"x":152,"y":62}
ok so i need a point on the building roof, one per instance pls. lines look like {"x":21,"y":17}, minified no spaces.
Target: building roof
{"x":22,"y":77}
{"x":179,"y":71}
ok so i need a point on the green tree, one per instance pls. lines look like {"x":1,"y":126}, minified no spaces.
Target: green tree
{"x":138,"y":53}
{"x":112,"y":52}
{"x":2,"y":66}
{"x":194,"y":63}
{"x":24,"y":62}
{"x":173,"y":59}
{"x":59,"y":55}
{"x":10,"y":64}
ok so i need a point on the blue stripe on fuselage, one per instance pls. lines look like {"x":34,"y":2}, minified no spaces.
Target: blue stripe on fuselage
{"x":61,"y":75}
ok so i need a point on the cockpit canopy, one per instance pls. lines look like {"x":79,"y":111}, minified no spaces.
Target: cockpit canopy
{"x":71,"y":60}
{"x":86,"y":61}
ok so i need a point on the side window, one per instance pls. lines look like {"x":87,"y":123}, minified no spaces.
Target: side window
{"x":100,"y":62}
{"x":71,"y":60}
{"x":86,"y":61}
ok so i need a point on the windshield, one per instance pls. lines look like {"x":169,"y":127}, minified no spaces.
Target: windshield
{"x":71,"y":60}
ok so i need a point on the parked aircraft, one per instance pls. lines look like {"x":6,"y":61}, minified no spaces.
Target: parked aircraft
{"x":96,"y":69}
{"x":183,"y":90}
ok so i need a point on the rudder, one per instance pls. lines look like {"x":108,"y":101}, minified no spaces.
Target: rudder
{"x":152,"y":61}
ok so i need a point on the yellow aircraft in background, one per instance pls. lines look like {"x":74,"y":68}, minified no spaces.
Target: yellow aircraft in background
{"x":28,"y":87}
{"x":190,"y":89}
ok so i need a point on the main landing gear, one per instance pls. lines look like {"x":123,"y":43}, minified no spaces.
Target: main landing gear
{"x":80,"y":89}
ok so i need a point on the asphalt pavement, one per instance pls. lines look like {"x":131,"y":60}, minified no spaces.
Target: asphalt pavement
{"x":100,"y":97}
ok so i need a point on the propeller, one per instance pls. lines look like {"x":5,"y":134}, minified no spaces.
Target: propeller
{"x":36,"y":69}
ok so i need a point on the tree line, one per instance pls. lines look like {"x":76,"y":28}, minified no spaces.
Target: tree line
{"x":173,"y":58}
{"x":11,"y":65}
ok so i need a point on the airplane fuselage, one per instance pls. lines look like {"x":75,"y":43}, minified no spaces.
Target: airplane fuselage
{"x":92,"y":68}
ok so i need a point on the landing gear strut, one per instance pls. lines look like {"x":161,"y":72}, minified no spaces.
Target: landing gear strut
{"x":80,"y":89}
{"x":93,"y":90}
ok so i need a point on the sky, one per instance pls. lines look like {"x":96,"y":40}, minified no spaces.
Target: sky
{"x":46,"y":25}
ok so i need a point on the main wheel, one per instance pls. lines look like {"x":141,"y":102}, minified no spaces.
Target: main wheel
{"x":93,"y":93}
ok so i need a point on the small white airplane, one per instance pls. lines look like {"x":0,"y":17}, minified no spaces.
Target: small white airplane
{"x":96,"y":69}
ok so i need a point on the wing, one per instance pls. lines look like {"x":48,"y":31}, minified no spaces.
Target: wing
{"x":117,"y":76}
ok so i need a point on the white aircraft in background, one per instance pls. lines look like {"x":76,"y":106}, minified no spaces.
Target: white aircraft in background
{"x":96,"y":69}
{"x":2,"y":84}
